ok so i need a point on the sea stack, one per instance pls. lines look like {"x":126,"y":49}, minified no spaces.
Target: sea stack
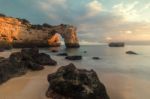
{"x":116,"y":44}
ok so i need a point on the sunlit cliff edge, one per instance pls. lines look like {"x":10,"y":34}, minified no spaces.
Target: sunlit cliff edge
{"x":21,"y":33}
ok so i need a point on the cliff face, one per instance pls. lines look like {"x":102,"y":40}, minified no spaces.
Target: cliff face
{"x":20,"y":32}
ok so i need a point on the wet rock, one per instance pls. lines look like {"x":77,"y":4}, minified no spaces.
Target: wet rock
{"x":96,"y":58}
{"x":34,"y":66}
{"x":116,"y":44}
{"x":84,"y":51}
{"x":68,"y":82}
{"x":33,"y":54}
{"x":131,"y":52}
{"x":62,"y":54}
{"x":54,"y":51}
{"x":75,"y":57}
{"x":18,"y":63}
{"x":45,"y":59}
{"x":11,"y":68}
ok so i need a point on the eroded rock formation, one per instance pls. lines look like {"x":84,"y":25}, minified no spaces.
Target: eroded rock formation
{"x":18,"y":63}
{"x":21,"y":33}
{"x":71,"y":83}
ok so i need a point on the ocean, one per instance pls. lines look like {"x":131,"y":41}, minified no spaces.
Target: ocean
{"x":114,"y":59}
{"x":124,"y":76}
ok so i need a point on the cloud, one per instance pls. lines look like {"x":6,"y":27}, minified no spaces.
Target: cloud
{"x":94,"y":7}
{"x":127,"y":10}
{"x":52,"y":8}
{"x":96,"y":20}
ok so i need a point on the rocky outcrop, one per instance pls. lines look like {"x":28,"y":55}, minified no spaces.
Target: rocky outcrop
{"x":96,"y":58}
{"x":116,"y":44}
{"x":62,"y":54}
{"x":131,"y":52}
{"x":19,"y":62}
{"x":71,"y":83}
{"x":21,"y":33}
{"x":75,"y":57}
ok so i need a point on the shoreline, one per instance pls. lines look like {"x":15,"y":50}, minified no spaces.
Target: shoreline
{"x":33,"y":85}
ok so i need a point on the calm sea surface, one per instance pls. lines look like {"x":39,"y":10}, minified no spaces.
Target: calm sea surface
{"x":125,"y":76}
{"x":114,"y":58}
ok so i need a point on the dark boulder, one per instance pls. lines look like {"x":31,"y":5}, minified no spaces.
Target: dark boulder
{"x":75,"y":57}
{"x":54,"y":51}
{"x":18,"y":63}
{"x":22,"y":58}
{"x":85,"y":51}
{"x":34,"y":66}
{"x":96,"y":58}
{"x":45,"y":59}
{"x":68,"y":82}
{"x":62,"y":54}
{"x":9,"y":69}
{"x":32,"y":54}
{"x":116,"y":44}
{"x":131,"y":52}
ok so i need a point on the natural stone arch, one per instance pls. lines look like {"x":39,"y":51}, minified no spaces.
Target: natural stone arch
{"x":20,"y":33}
{"x":68,"y":33}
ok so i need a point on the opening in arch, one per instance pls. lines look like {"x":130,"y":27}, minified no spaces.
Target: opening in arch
{"x":65,"y":32}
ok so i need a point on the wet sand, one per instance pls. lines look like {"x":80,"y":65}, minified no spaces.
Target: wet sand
{"x":34,"y":85}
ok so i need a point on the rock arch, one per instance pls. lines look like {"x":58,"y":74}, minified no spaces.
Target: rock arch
{"x":20,"y":33}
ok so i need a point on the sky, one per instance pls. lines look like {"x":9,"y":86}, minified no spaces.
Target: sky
{"x":97,"y":20}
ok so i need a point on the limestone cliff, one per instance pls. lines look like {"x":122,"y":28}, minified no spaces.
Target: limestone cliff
{"x":20,"y":33}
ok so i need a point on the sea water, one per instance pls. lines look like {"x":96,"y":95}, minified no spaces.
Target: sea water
{"x":125,"y":76}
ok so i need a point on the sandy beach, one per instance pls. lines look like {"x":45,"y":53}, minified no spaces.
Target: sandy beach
{"x":33,"y":85}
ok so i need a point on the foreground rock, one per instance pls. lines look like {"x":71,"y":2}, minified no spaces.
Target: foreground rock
{"x":131,"y":52}
{"x":75,"y":57}
{"x":18,"y":63}
{"x":71,"y":83}
{"x":9,"y":69}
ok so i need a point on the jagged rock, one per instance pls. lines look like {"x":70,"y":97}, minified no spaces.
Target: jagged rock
{"x":45,"y":59}
{"x":62,"y":54}
{"x":131,"y":52}
{"x":96,"y":58}
{"x":33,"y":54}
{"x":19,"y":62}
{"x":34,"y":66}
{"x":11,"y":68}
{"x":68,"y":82}
{"x":75,"y":57}
{"x":26,"y":59}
